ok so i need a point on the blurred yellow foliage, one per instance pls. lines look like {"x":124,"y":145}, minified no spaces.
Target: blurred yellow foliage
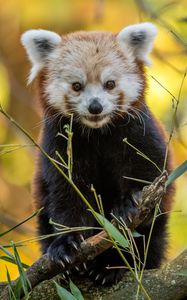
{"x":169,"y":65}
{"x":17,"y":167}
{"x":4,"y":86}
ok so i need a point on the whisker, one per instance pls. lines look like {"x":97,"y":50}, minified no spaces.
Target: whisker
{"x":140,"y":117}
{"x":129,"y":118}
{"x":142,"y":112}
{"x":59,"y":124}
{"x":143,"y":104}
{"x":88,"y":133}
{"x":127,"y":113}
{"x":47,"y":120}
{"x":131,"y":115}
{"x":108,"y":127}
{"x":122,"y":106}
{"x":118,"y":114}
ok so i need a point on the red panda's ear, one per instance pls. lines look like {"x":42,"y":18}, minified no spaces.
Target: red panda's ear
{"x":138,"y":40}
{"x":39,"y":44}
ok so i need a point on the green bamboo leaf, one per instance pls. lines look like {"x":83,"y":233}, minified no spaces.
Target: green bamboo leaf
{"x":18,"y":289}
{"x":136,"y":234}
{"x":23,"y":277}
{"x":12,"y":261}
{"x":10,"y":257}
{"x":177,"y":173}
{"x":8,"y":253}
{"x":63,"y":293}
{"x":12,"y":295}
{"x":183,"y":273}
{"x":111,"y":230}
{"x":75,"y":291}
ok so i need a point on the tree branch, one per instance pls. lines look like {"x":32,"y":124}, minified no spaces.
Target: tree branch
{"x":44,"y":268}
{"x":160,"y":284}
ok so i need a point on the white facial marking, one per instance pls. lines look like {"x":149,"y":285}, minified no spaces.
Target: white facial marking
{"x":95,"y":124}
{"x":131,"y":84}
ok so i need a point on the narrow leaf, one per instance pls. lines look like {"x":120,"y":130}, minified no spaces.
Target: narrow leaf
{"x":63,"y":293}
{"x":24,"y":280}
{"x":12,"y":295}
{"x":75,"y":291}
{"x":8,"y":253}
{"x":136,"y":234}
{"x":112,"y":231}
{"x":177,"y":173}
{"x":12,"y":261}
{"x":18,"y":289}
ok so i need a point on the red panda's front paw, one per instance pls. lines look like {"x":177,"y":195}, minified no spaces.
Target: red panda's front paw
{"x":106,"y":275}
{"x":128,"y":207}
{"x":63,"y":251}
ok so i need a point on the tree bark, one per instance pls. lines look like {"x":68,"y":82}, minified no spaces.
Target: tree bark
{"x":160,"y":284}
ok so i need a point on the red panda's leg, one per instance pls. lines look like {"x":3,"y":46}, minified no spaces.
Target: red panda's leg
{"x":44,"y":229}
{"x":104,"y":271}
{"x":63,"y":249}
{"x":108,"y":267}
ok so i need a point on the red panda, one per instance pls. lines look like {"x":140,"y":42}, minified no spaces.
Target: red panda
{"x":99,"y":77}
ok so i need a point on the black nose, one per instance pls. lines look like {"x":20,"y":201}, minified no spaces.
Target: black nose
{"x":95,"y":107}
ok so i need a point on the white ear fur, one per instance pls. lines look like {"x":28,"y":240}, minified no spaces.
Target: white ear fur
{"x":138,"y":39}
{"x":39,"y":44}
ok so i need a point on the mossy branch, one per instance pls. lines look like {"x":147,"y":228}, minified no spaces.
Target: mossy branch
{"x":162,"y":284}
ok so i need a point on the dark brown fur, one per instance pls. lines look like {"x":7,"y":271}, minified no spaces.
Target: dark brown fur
{"x":102,"y":159}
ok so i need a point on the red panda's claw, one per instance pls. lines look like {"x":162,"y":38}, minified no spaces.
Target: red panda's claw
{"x":67,"y":259}
{"x":74,"y":244}
{"x":137,"y":197}
{"x":62,"y":264}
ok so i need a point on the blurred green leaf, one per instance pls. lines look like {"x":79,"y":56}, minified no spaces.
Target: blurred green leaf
{"x":23,"y":277}
{"x":8,"y":253}
{"x":63,"y":293}
{"x":183,"y":273}
{"x":13,"y":261}
{"x":10,"y":257}
{"x":12,"y":295}
{"x":177,"y":173}
{"x":112,"y":231}
{"x":136,"y":234}
{"x":17,"y":289}
{"x":75,"y":291}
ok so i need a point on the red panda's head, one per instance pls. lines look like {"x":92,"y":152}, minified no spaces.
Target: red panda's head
{"x":94,"y":75}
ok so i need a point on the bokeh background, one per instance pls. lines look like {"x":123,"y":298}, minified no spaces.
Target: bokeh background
{"x":169,"y":65}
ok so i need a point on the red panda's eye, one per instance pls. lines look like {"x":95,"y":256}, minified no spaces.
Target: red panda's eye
{"x":110,"y":85}
{"x":76,"y":86}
